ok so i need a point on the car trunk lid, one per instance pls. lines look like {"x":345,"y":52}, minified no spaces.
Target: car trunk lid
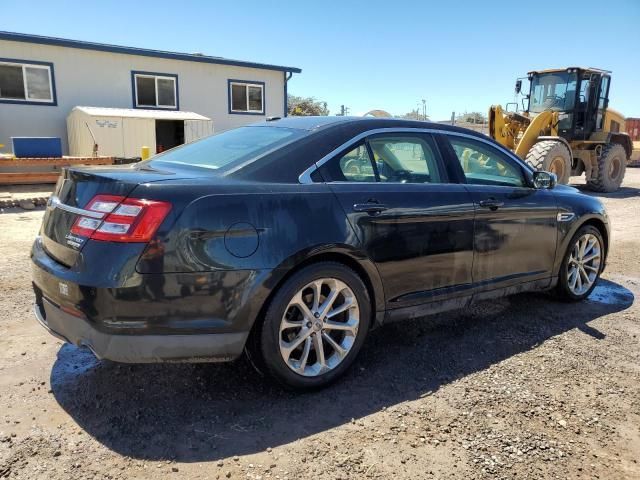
{"x":75,"y":189}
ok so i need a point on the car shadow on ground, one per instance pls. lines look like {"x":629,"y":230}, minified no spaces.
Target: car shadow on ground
{"x":203,"y":412}
{"x":622,"y":192}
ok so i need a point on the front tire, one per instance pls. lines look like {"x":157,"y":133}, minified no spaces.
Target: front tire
{"x":551,"y":156}
{"x":314,"y":327}
{"x":582,"y":264}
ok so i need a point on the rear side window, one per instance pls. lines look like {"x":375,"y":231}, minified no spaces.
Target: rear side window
{"x":485,"y":165}
{"x":356,"y":166}
{"x":230,"y":148}
{"x":405,"y":159}
{"x":398,"y":158}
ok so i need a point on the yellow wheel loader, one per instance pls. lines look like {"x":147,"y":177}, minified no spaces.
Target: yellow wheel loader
{"x":567,"y":127}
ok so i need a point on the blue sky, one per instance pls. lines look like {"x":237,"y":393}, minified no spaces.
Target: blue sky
{"x":458,"y":55}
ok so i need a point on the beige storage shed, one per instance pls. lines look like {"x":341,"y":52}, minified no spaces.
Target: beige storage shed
{"x":122,"y":132}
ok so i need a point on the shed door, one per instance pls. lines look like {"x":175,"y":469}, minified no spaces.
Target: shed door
{"x":196,"y":129}
{"x":138,"y":133}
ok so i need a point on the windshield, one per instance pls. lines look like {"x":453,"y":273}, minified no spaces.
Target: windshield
{"x":553,"y":91}
{"x":230,"y":147}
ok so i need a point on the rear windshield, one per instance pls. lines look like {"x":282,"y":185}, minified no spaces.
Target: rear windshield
{"x":233,"y":147}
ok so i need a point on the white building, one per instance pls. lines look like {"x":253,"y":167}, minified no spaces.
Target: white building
{"x":43,"y":78}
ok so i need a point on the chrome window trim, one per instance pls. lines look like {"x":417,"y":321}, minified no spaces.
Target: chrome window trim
{"x":55,"y":202}
{"x":305,"y":177}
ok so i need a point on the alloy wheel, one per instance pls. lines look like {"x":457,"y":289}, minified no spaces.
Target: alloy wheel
{"x":583,"y":266}
{"x":319,"y":327}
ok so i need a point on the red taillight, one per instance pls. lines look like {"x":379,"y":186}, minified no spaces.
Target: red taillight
{"x":123,"y":219}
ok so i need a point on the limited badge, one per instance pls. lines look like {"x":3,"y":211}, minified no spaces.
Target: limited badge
{"x":64,"y":288}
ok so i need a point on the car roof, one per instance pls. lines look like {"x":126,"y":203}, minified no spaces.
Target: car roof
{"x":315,"y":123}
{"x":318,"y":137}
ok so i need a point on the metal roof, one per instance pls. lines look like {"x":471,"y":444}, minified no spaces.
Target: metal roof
{"x":140,"y":113}
{"x":103,"y":47}
{"x":554,"y":70}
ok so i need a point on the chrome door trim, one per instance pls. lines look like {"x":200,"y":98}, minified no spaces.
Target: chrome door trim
{"x":54,"y":202}
{"x":305,"y":177}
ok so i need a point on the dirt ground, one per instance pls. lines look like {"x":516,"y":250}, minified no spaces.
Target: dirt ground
{"x":523,"y":387}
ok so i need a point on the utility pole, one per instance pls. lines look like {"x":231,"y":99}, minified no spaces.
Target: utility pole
{"x":453,"y":118}
{"x":424,"y":109}
{"x":343,"y":111}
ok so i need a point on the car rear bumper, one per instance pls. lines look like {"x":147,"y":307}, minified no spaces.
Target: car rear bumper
{"x":125,"y":316}
{"x":138,"y":348}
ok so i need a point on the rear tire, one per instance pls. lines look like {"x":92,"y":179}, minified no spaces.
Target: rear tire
{"x":612,"y":165}
{"x":286,"y":344}
{"x":582,"y":264}
{"x":551,"y":156}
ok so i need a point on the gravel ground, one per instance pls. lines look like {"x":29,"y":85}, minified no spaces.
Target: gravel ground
{"x":523,"y":387}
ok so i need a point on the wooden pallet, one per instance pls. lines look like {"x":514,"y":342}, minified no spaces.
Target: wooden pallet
{"x":27,"y":177}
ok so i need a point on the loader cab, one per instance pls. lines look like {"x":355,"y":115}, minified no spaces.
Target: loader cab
{"x":579,"y":95}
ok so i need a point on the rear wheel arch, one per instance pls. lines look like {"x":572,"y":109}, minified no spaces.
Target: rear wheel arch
{"x":622,"y":138}
{"x":365,"y":269}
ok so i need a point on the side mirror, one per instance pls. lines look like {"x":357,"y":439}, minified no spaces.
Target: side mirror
{"x":544,"y":180}
{"x":518,"y":86}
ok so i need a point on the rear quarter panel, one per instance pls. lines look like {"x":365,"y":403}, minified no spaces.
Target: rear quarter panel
{"x":264,"y":228}
{"x":248,"y":226}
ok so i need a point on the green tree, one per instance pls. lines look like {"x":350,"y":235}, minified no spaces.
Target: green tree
{"x":473,"y":117}
{"x":306,"y":106}
{"x":414,"y":115}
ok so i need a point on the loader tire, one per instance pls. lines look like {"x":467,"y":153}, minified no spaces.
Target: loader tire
{"x":612,"y":164}
{"x":552,"y":156}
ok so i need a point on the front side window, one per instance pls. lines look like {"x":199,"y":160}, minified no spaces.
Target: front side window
{"x":602,"y":101}
{"x":155,"y":91}
{"x":484,"y":165}
{"x":246,"y":97}
{"x":23,"y":82}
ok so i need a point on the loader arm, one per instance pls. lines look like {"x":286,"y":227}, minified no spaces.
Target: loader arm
{"x":543,"y":124}
{"x":499,"y":127}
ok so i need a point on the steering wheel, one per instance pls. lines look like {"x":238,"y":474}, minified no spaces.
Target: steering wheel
{"x":402,"y":176}
{"x":553,"y":101}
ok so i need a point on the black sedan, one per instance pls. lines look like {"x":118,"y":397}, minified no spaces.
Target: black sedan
{"x":290,"y":239}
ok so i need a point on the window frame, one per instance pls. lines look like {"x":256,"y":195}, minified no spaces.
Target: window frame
{"x":451,"y":164}
{"x":155,"y":75}
{"x":246,"y":84}
{"x":455,"y":161}
{"x":52,"y":102}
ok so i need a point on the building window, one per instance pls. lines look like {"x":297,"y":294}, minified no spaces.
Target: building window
{"x":24,"y":82}
{"x":246,"y":97}
{"x":155,"y":90}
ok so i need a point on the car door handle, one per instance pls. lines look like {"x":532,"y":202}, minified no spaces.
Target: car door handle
{"x":370,"y":207}
{"x":491,"y":203}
